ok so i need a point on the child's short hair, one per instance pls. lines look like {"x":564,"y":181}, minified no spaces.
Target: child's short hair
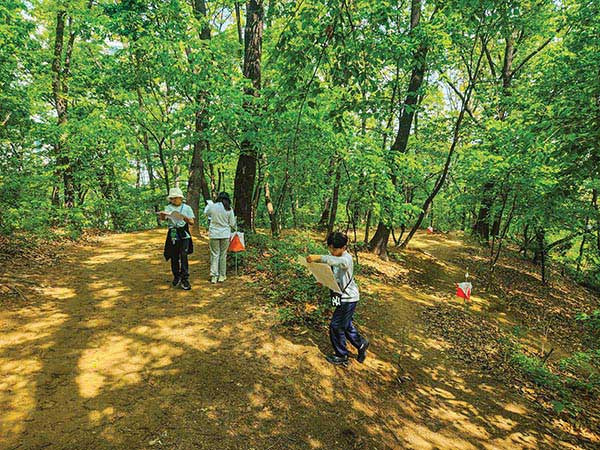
{"x":337,"y":240}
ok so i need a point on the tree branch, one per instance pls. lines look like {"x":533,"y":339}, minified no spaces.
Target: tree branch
{"x":531,"y":55}
{"x":468,"y":108}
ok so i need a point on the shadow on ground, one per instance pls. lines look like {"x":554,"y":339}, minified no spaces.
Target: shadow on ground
{"x":108,"y":355}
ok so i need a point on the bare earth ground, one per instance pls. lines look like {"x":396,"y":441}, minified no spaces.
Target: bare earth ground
{"x":98,"y":351}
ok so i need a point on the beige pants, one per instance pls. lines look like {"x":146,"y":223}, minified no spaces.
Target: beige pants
{"x":218,"y":257}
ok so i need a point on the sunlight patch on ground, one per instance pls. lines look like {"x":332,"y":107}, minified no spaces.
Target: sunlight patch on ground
{"x":60,"y":293}
{"x":387,"y":268}
{"x":117,"y":361}
{"x":36,"y":330}
{"x":105,"y":257}
{"x":259,"y":396}
{"x":501,"y":422}
{"x":363,"y":408}
{"x":516,"y":409}
{"x":17,"y":394}
{"x":432,"y":343}
{"x":424,"y":240}
{"x":96,"y":417}
{"x":314,"y":443}
{"x":404,"y":292}
{"x":278,"y":353}
{"x":192,"y":331}
{"x":517,"y":440}
{"x":421,"y":437}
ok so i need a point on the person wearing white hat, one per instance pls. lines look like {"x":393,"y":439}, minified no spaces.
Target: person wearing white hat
{"x":178,"y":244}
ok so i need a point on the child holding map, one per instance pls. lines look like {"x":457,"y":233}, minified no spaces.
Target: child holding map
{"x":341,"y":326}
{"x":178,"y":244}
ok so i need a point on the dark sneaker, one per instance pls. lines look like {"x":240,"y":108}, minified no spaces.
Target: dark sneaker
{"x":337,"y":360}
{"x":176,"y":281}
{"x":362,"y":351}
{"x":185,"y":285}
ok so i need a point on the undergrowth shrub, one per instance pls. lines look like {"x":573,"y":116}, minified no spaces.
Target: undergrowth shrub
{"x":569,"y":378}
{"x":590,"y":321}
{"x":288,"y":285}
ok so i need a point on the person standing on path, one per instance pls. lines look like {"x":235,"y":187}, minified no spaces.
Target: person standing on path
{"x":178,"y":244}
{"x":222,"y":221}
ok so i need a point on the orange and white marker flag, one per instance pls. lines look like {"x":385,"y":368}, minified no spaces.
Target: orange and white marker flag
{"x":463,"y":290}
{"x":236,"y":242}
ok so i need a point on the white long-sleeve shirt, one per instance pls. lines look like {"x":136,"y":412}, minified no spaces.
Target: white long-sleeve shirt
{"x":343,"y":272}
{"x":221,"y":221}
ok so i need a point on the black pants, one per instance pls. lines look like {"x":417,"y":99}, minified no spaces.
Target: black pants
{"x":342,"y":328}
{"x":179,"y":260}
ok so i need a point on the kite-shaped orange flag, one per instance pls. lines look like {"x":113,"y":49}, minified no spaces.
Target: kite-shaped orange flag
{"x":236,"y":243}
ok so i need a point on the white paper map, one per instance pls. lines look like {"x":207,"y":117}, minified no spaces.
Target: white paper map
{"x":322,"y":273}
{"x":174,"y":215}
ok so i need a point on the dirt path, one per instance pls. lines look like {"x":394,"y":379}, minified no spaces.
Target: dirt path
{"x":105,"y":354}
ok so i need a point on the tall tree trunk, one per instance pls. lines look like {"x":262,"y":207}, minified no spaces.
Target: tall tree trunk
{"x":587,"y":229}
{"x":595,"y":204}
{"x":110,"y":191}
{"x":60,"y":88}
{"x":293,"y":209}
{"x":271,"y":210}
{"x":213,"y":181}
{"x":377,"y":245}
{"x":245,"y":173}
{"x":380,"y":239}
{"x":526,"y":240}
{"x":197,"y":184}
{"x":482,"y":224}
{"x":258,"y":187}
{"x":163,"y":162}
{"x":324,"y":220}
{"x":335,"y":198}
{"x":541,"y":252}
{"x":368,"y":225}
{"x":55,"y":197}
{"x":439,"y":182}
{"x":145,"y":141}
{"x":582,"y":246}
{"x":238,"y":22}
{"x":221,"y":181}
{"x":412,"y":94}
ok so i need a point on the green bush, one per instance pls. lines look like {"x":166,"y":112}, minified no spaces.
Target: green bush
{"x":285,"y":282}
{"x":537,"y":371}
{"x":591,"y":321}
{"x":583,"y":366}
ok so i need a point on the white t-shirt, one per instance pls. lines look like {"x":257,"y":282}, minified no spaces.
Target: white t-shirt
{"x":221,"y":221}
{"x":343,"y":272}
{"x":183,"y":209}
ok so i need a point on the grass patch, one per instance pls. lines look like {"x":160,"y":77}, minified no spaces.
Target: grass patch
{"x":287,"y":285}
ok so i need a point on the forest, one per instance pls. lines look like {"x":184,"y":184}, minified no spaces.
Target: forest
{"x":481,"y":116}
{"x":472,"y":123}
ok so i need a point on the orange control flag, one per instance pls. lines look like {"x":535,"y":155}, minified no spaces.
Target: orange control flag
{"x":463,"y":290}
{"x":236,"y":243}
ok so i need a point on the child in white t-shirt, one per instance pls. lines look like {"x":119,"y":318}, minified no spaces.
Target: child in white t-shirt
{"x":341,"y":328}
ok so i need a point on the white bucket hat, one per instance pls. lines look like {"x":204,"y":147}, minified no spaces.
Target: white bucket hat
{"x":174,"y":192}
